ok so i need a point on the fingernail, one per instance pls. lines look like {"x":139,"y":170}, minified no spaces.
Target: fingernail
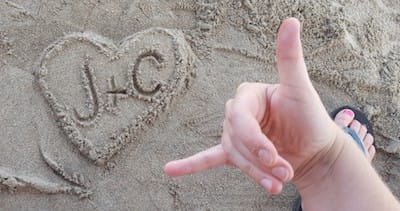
{"x":265,"y":156}
{"x":348,"y":112}
{"x":267,"y":184}
{"x":280,"y":172}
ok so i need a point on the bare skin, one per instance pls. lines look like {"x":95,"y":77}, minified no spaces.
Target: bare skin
{"x":276,"y":133}
{"x":345,"y":118}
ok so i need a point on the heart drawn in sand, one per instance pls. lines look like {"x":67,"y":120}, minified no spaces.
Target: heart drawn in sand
{"x":103,"y":96}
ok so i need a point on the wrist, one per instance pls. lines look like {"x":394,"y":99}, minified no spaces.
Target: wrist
{"x":343,"y":179}
{"x":321,"y":165}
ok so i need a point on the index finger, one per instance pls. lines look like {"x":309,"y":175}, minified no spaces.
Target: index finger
{"x":205,"y":160}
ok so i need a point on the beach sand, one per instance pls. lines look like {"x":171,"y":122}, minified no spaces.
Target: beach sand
{"x":96,"y":96}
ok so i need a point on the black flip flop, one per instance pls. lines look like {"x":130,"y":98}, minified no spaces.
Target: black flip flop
{"x":359,"y":116}
{"x":297,"y":205}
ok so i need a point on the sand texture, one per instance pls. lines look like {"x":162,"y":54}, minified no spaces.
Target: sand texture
{"x":97,"y":95}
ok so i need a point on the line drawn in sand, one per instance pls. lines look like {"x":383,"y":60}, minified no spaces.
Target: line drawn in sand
{"x":94,"y":98}
{"x":206,"y":125}
{"x":17,"y":183}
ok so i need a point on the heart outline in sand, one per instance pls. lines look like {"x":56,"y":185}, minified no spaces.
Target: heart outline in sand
{"x":160,"y":97}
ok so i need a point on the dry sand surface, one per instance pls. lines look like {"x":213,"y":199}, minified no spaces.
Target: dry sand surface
{"x":97,"y":95}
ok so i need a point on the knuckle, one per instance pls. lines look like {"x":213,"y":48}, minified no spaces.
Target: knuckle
{"x":232,"y":115}
{"x":207,"y":160}
{"x":253,"y":146}
{"x":226,"y":144}
{"x":235,"y":114}
{"x":228,"y":105}
{"x":242,"y":86}
{"x":251,"y":171}
{"x":248,"y":168}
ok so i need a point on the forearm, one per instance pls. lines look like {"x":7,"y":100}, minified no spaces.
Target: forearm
{"x":350,"y":183}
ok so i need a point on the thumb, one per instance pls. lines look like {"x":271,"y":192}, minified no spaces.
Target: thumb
{"x":291,"y":66}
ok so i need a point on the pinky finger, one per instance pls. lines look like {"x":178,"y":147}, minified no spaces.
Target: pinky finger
{"x":205,"y":160}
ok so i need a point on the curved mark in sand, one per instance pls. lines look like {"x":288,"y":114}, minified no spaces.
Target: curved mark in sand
{"x":93,"y":94}
{"x":17,"y":183}
{"x":159,"y":59}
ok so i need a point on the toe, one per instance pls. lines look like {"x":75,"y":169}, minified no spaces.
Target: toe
{"x":344,"y":117}
{"x":362,"y":132}
{"x":368,"y":141}
{"x":371,"y":152}
{"x":355,"y":125}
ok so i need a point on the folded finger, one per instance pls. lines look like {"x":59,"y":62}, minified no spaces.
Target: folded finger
{"x":250,"y":141}
{"x":251,"y":98}
{"x":268,"y":182}
{"x":259,"y":156}
{"x":246,"y":135}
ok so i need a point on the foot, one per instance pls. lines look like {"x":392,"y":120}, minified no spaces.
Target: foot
{"x":345,"y":118}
